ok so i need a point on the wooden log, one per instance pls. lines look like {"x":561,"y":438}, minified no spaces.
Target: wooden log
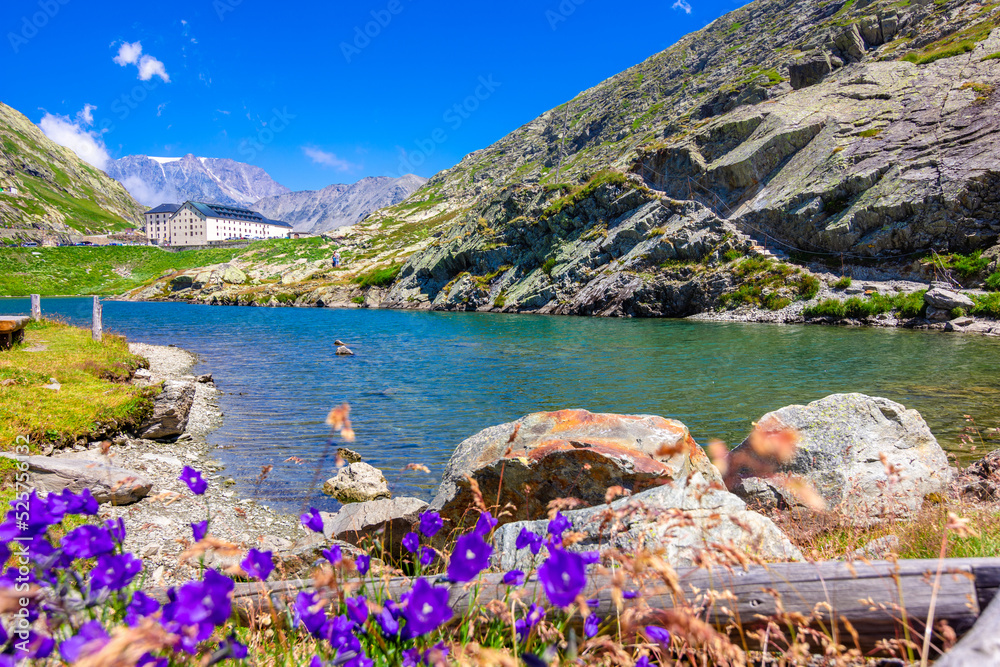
{"x":97,"y":324}
{"x":36,"y":307}
{"x":873,"y":597}
{"x":981,"y":645}
{"x":12,"y":323}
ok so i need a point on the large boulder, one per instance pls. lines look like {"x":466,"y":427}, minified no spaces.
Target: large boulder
{"x":982,"y":478}
{"x":809,"y":69}
{"x":940,"y":302}
{"x":234,"y":276}
{"x":171,"y":409}
{"x":680,"y":520}
{"x":866,"y":456}
{"x":382,"y":521}
{"x":108,"y":483}
{"x":357,"y":483}
{"x":566,"y":454}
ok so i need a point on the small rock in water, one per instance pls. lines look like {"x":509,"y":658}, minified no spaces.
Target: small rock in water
{"x":349,"y":455}
{"x":339,"y":343}
{"x":230,"y":482}
{"x":206,"y":379}
{"x":344,"y":351}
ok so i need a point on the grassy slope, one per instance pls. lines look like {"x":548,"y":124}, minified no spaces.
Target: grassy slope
{"x":80,"y":270}
{"x":93,"y":393}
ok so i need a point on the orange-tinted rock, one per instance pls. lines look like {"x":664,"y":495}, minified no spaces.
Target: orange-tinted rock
{"x":566,"y":454}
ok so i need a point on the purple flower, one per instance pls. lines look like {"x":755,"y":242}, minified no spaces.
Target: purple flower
{"x":642,"y":662}
{"x":116,"y":529}
{"x":563,"y":576}
{"x":524,"y":625}
{"x":88,"y":641}
{"x":484,"y":525}
{"x":430,"y":523}
{"x":308,"y":613}
{"x":199,"y":530}
{"x":258,"y":564}
{"x":427,"y":556}
{"x":470,"y":557}
{"x":630,"y":595}
{"x":114,"y":573}
{"x":312,"y":520}
{"x":36,"y":522}
{"x":229,"y":648}
{"x":204,"y":603}
{"x":590,"y":626}
{"x":527,"y":538}
{"x":357,"y":609}
{"x":150,"y":660}
{"x":388,"y":619}
{"x":363,"y":563}
{"x":411,"y":657}
{"x":411,"y":542}
{"x":559,"y":525}
{"x":590,"y":557}
{"x":334,"y":554}
{"x":67,"y":502}
{"x":426,"y":608}
{"x":31,"y":647}
{"x":194,"y":480}
{"x":141,"y":606}
{"x":658,"y":634}
{"x":87,"y":542}
{"x":513,"y":578}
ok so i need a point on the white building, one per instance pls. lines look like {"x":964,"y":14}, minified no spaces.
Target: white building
{"x":197,"y":223}
{"x":156,"y":222}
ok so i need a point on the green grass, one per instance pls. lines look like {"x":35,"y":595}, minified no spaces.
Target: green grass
{"x":955,"y":44}
{"x":549,"y":264}
{"x":808,"y":286}
{"x":604,"y":177}
{"x":82,"y":214}
{"x":993,"y":281}
{"x":966,"y":266}
{"x":378,"y":277}
{"x":858,"y":308}
{"x":874,"y":132}
{"x":843,"y":283}
{"x":992,"y":56}
{"x":987,"y":305}
{"x":93,"y":396}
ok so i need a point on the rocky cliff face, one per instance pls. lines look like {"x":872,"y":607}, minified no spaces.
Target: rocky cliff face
{"x":59,"y":195}
{"x":155,"y":180}
{"x":868,"y":130}
{"x":338,"y":205}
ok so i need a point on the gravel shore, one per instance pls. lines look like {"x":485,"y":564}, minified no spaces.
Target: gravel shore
{"x":158,"y":527}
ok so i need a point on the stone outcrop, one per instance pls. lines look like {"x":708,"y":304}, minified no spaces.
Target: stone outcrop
{"x":108,"y":483}
{"x":357,"y":483}
{"x":170,"y":411}
{"x":382,"y":521}
{"x":867,"y":456}
{"x":941,"y":302}
{"x":566,"y":454}
{"x":982,"y":478}
{"x":681,"y":520}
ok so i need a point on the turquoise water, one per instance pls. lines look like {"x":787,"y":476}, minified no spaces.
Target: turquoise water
{"x":421,"y":382}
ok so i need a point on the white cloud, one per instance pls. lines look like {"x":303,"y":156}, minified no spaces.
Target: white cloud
{"x":86,"y":144}
{"x":131,"y":54}
{"x":682,"y":5}
{"x":326,"y":158}
{"x":160,"y":108}
{"x":150,"y":67}
{"x":128,"y":54}
{"x":147,"y":194}
{"x":86,"y":115}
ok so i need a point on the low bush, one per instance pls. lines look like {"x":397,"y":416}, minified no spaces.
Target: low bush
{"x":993,"y":281}
{"x":808,"y":286}
{"x":379,"y":277}
{"x":843,"y":283}
{"x":549,"y":264}
{"x":987,"y":305}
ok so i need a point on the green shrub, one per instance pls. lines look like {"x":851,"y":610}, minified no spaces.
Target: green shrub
{"x":773,"y":301}
{"x":732,"y":255}
{"x":987,"y":305}
{"x":969,"y":266}
{"x":957,"y":312}
{"x":843,"y":283}
{"x":911,"y":305}
{"x":993,"y":282}
{"x":379,"y":277}
{"x":549,"y":264}
{"x":357,"y":299}
{"x":808,"y":286}
{"x":826,"y":308}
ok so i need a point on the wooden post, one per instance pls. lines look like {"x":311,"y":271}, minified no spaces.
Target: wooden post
{"x":36,"y":307}
{"x":97,"y":326}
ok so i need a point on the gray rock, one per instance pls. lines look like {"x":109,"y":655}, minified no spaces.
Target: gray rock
{"x":348,"y":455}
{"x":234,"y":276}
{"x":386,"y":521}
{"x":763,"y":494}
{"x":357,"y":483}
{"x":170,"y":411}
{"x":108,"y":483}
{"x":843,"y":438}
{"x":143,"y":373}
{"x":344,"y":351}
{"x":809,"y":69}
{"x":680,"y":520}
{"x":947,"y":300}
{"x":877,"y":549}
{"x":982,"y":479}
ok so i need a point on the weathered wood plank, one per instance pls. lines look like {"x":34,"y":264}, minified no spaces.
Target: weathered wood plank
{"x":97,"y":323}
{"x":12,"y":323}
{"x":981,"y":645}
{"x":36,"y":307}
{"x":871,"y":596}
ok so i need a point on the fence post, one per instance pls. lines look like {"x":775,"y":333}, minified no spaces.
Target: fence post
{"x":97,"y":326}
{"x":36,"y":307}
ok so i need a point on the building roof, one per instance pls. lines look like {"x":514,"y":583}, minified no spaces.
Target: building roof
{"x":164,"y":208}
{"x":234,"y":213}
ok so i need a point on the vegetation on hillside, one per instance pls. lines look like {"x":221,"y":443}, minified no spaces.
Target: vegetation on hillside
{"x":93,"y":397}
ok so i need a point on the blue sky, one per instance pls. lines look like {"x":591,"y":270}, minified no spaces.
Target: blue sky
{"x":299,"y":89}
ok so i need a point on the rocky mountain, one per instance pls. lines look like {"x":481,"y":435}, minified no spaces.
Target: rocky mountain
{"x":338,"y":205}
{"x":158,"y":180}
{"x":862,"y":131}
{"x":58,"y":194}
